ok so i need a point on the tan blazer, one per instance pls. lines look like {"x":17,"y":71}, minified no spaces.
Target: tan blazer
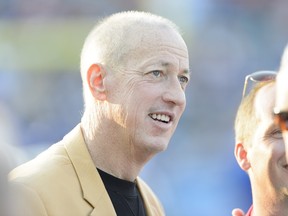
{"x":63,"y":181}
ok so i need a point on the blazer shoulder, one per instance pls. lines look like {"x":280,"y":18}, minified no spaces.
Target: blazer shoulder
{"x":48,"y":163}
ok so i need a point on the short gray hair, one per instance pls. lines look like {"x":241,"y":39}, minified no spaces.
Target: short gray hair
{"x":111,"y":39}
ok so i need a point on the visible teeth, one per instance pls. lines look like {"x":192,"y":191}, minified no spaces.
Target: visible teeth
{"x":160,"y":117}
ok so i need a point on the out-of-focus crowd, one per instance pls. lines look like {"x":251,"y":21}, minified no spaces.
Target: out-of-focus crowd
{"x":226,"y":39}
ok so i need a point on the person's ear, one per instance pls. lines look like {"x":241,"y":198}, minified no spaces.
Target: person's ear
{"x":241,"y":156}
{"x":95,"y":76}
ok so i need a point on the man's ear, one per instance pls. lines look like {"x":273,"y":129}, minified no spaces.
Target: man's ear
{"x":95,"y":76}
{"x":241,"y":156}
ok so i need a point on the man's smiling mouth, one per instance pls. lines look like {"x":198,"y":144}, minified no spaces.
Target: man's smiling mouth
{"x":160,"y":117}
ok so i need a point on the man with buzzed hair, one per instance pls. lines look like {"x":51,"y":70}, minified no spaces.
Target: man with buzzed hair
{"x":135,"y":69}
{"x":279,"y":118}
{"x":260,"y":150}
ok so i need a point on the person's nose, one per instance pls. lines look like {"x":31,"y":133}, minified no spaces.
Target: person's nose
{"x":174,"y":93}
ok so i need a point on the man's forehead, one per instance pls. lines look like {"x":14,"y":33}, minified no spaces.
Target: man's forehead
{"x":265,"y":101}
{"x":160,"y":36}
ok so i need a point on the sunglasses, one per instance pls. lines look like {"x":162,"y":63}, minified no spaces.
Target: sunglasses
{"x":280,"y":117}
{"x":258,"y":76}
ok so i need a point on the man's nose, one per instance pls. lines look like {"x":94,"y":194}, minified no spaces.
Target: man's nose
{"x":174,"y":93}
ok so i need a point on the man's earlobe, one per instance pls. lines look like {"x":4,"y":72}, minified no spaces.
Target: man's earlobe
{"x":95,"y":76}
{"x":241,"y":156}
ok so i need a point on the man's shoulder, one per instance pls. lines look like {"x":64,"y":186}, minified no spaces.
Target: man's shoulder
{"x":48,"y":183}
{"x":53,"y":161}
{"x":44,"y":166}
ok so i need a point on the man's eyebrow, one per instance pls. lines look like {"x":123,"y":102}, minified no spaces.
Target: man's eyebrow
{"x":167,"y":64}
{"x":272,"y":128}
{"x":187,"y":71}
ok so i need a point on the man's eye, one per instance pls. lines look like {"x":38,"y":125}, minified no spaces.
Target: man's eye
{"x":277,"y":133}
{"x":156,"y":73}
{"x":183,"y":79}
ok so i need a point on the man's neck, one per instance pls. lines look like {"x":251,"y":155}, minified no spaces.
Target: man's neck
{"x":113,"y":157}
{"x":272,"y":207}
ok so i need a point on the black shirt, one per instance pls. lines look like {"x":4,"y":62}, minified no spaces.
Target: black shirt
{"x":124,"y":195}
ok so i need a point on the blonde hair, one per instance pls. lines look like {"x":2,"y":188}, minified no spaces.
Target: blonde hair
{"x":246,"y":121}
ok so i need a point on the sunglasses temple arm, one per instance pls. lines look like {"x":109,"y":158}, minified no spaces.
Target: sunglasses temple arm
{"x":244,"y":87}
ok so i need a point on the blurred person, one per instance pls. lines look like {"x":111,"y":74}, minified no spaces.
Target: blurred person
{"x":10,"y":156}
{"x":260,"y":149}
{"x":5,"y":196}
{"x":135,"y":69}
{"x":8,"y":202}
{"x":280,"y":109}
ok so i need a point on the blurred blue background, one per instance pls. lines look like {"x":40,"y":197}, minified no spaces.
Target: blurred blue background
{"x":41,"y":94}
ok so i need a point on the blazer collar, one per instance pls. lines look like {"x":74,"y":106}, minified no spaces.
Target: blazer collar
{"x":93,"y":189}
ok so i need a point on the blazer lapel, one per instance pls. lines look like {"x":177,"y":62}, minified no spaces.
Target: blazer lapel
{"x":150,"y":209}
{"x":93,"y":189}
